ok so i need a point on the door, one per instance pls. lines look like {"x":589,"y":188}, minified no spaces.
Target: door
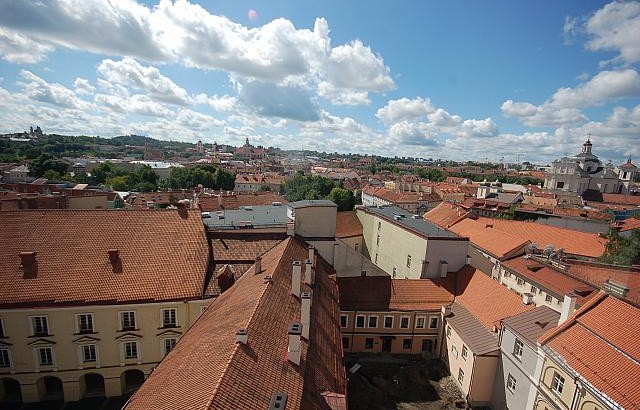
{"x":386,"y":344}
{"x":427,"y":345}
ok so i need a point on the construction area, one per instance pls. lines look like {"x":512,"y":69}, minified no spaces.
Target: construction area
{"x":400,"y":382}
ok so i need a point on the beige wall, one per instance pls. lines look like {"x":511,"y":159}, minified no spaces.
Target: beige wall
{"x":316,"y":221}
{"x":521,"y":285}
{"x":348,"y":262}
{"x":66,"y":343}
{"x":88,"y":202}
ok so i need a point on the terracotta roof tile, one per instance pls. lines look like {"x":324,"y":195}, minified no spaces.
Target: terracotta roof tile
{"x":163,"y":255}
{"x":348,"y":225}
{"x":621,"y":199}
{"x":629,"y":224}
{"x":498,"y":243}
{"x":240,"y":249}
{"x":446,"y":214}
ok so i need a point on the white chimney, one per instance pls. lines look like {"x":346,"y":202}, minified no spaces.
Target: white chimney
{"x":295,"y":279}
{"x":308,"y":272}
{"x":311,"y":250}
{"x":446,"y":310}
{"x":258,"y":265}
{"x":568,"y":307}
{"x":305,"y":314}
{"x":242,"y":336}
{"x":468,"y":260}
{"x":294,"y":349}
{"x":443,"y":269}
{"x":527,"y":298}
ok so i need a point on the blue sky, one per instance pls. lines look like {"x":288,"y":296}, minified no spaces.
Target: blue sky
{"x":461,"y":80}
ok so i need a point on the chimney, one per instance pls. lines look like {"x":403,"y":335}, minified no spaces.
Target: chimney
{"x":468,"y":260}
{"x":446,"y":310}
{"x":308,"y":272}
{"x":305,"y":314}
{"x":527,"y":298}
{"x":242,"y":336}
{"x":294,"y":349}
{"x":29,"y":263}
{"x":311,"y":252}
{"x":278,"y":401}
{"x":568,"y":307}
{"x":295,"y":279}
{"x":443,"y":269}
{"x":114,"y":255}
{"x":257,"y":267}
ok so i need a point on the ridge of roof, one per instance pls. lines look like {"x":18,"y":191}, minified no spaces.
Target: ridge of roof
{"x":593,"y":302}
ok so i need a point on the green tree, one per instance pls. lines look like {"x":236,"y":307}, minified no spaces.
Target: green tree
{"x":46,"y":162}
{"x":52,"y":175}
{"x":147,"y":174}
{"x":621,"y":250}
{"x":119,"y":183}
{"x":307,"y":187}
{"x":343,"y":198}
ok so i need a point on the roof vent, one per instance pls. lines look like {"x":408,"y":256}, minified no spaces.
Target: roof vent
{"x":242,"y":336}
{"x":29,"y":264}
{"x":268,"y":279}
{"x":278,"y":401}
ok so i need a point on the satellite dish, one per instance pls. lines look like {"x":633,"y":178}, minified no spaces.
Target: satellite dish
{"x":548,"y":250}
{"x":531,"y":248}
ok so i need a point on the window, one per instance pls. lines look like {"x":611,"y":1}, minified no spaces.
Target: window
{"x":460,"y":376}
{"x":433,"y":322}
{"x":85,"y":323}
{"x":406,"y":343}
{"x":420,"y":322}
{"x":378,"y":240}
{"x":388,"y":322}
{"x":465,"y":351}
{"x":379,"y":225}
{"x":130,"y":350}
{"x":454,"y":351}
{"x":520,"y":281}
{"x":517,"y":348}
{"x":534,"y":290}
{"x":345,"y":342}
{"x":511,"y":383}
{"x":344,"y":320}
{"x":168,"y":344}
{"x":560,"y":185}
{"x":368,"y":343}
{"x":128,"y":320}
{"x":46,"y":356}
{"x":40,"y":325}
{"x":557,"y":384}
{"x":2,"y":328}
{"x":376,"y":259}
{"x":448,"y":331}
{"x":355,"y":247}
{"x":408,"y":261}
{"x":507,"y":274}
{"x":404,"y":322}
{"x":89,"y":353}
{"x":394,"y":272}
{"x":169,"y":318}
{"x":373,"y":321}
{"x":548,"y":299}
{"x":360,"y":321}
{"x":4,"y":358}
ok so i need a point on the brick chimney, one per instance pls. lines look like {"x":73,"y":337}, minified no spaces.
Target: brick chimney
{"x":29,"y":264}
{"x":295,"y":279}
{"x":305,"y":314}
{"x":242,"y":336}
{"x":308,"y":272}
{"x":294,"y":350}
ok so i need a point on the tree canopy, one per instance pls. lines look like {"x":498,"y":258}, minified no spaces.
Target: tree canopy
{"x":311,"y":187}
{"x":206,"y":175}
{"x":621,"y":250}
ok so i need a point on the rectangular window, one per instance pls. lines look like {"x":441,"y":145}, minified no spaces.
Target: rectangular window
{"x":40,"y":325}
{"x":345,"y":342}
{"x":548,"y":299}
{"x":168,"y":344}
{"x":46,"y":356}
{"x":420,"y":322}
{"x":507,"y":274}
{"x":89,"y":353}
{"x":379,"y":225}
{"x":408,"y":261}
{"x":557,"y":385}
{"x":395,"y":271}
{"x":378,"y":240}
{"x":511,"y":383}
{"x":128,"y":320}
{"x":517,"y":348}
{"x":534,"y":290}
{"x":448,"y":331}
{"x":433,"y":322}
{"x":360,"y":321}
{"x":404,"y":322}
{"x":460,"y":376}
{"x":465,"y":351}
{"x":406,"y":343}
{"x":344,"y":320}
{"x":520,"y":281}
{"x":131,"y":350}
{"x":376,"y":259}
{"x":368,"y":343}
{"x":4,"y":358}
{"x":388,"y":322}
{"x":169,"y":318}
{"x":373,"y":321}
{"x":85,"y":323}
{"x":2,"y":328}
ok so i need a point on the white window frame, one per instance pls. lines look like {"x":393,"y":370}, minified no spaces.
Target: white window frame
{"x":175,"y":316}
{"x":448,"y":331}
{"x":518,"y":347}
{"x":32,"y":325}
{"x":384,"y":324}
{"x":9,"y":360}
{"x":122,"y":316}
{"x":520,"y":281}
{"x":511,"y":383}
{"x":534,"y":289}
{"x":163,"y":345}
{"x":346,"y":321}
{"x":460,"y":375}
{"x":78,"y":321}
{"x":39,"y":351}
{"x":83,"y":350}
{"x":557,"y":383}
{"x":124,"y":349}
{"x":408,"y":261}
{"x":2,"y":332}
{"x":364,"y":321}
{"x":424,"y":322}
{"x":369,"y":321}
{"x":408,"y":321}
{"x":437,"y":318}
{"x":548,"y":299}
{"x":465,"y":352}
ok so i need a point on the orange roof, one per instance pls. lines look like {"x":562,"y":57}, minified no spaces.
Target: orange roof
{"x":383,"y":293}
{"x":628,"y":224}
{"x":499,"y":244}
{"x":573,"y":242}
{"x":217,"y":372}
{"x":600,"y":343}
{"x":485,"y":299}
{"x":239,"y":248}
{"x":446,"y":214}
{"x":348,"y":225}
{"x":621,"y":199}
{"x":396,"y":197}
{"x":598,"y":275}
{"x":162,"y":255}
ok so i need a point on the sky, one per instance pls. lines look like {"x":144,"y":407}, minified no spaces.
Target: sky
{"x":459,"y":80}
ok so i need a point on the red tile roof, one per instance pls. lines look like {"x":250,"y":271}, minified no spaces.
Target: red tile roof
{"x":211,"y":203}
{"x":162,"y":255}
{"x":499,"y":244}
{"x":240,"y":249}
{"x":621,"y":199}
{"x":600,"y":343}
{"x":382,"y":293}
{"x":599,"y":274}
{"x":216,"y":372}
{"x":573,"y":242}
{"x":446,"y":214}
{"x":348,"y":225}
{"x":628,"y":224}
{"x":395,"y":197}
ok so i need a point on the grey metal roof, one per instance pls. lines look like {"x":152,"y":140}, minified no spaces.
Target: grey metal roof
{"x":405,"y":218}
{"x":311,"y":202}
{"x":477,"y":337}
{"x":532,"y":324}
{"x":263,"y":216}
